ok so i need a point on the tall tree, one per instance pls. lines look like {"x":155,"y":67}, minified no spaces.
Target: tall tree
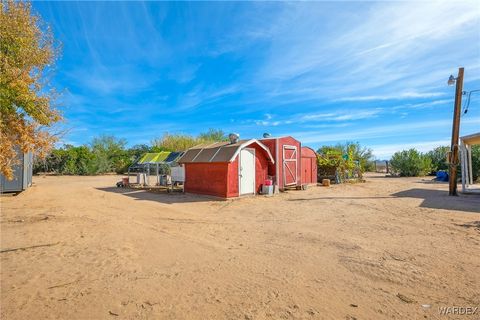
{"x":109,"y":154}
{"x":181,"y":142}
{"x":27,"y":52}
{"x":213,"y":135}
{"x":173,"y":142}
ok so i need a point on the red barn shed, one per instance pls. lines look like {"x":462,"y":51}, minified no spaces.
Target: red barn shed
{"x":309,"y":166}
{"x":226,"y":169}
{"x":286,"y":168}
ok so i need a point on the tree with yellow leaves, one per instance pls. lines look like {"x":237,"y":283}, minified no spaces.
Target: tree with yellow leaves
{"x":27,"y":52}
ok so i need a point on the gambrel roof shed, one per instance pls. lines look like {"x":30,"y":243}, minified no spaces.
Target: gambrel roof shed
{"x":220,"y":152}
{"x":226,"y":169}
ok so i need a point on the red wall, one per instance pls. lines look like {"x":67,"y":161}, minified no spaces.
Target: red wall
{"x":221,"y":179}
{"x":309,"y":170}
{"x":261,"y":171}
{"x":309,"y":166}
{"x":261,"y":167}
{"x":232,"y":181}
{"x":207,"y":178}
{"x":271,"y":144}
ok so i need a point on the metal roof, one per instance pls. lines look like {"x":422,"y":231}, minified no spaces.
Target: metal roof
{"x":219,"y":151}
{"x":471,"y":139}
{"x":173,"y":156}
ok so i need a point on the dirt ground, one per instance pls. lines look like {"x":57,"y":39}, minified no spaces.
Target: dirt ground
{"x":374,"y":250}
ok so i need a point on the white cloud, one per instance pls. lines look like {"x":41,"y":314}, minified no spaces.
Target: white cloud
{"x":423,"y":105}
{"x":399,"y":50}
{"x":385,"y":151}
{"x":382,"y":131}
{"x":349,"y":115}
{"x":396,"y":96}
{"x":201,"y":95}
{"x":309,"y":118}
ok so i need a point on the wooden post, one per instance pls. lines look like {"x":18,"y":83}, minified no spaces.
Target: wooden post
{"x":452,"y":186}
{"x":463,"y":157}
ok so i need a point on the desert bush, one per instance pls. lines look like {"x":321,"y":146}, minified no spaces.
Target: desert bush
{"x":410,"y":163}
{"x":79,"y":161}
{"x":438,"y":157}
{"x":332,"y":159}
{"x":350,"y":159}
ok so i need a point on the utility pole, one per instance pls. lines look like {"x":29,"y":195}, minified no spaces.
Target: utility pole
{"x":452,"y":183}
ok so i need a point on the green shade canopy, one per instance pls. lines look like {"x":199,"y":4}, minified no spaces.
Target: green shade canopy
{"x":158,"y":157}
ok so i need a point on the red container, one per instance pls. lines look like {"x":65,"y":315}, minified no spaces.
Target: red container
{"x":268,"y":182}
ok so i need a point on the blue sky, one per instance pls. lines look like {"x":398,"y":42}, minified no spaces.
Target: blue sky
{"x":323,"y":72}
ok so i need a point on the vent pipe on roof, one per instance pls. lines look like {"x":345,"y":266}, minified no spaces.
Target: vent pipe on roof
{"x":267,"y":135}
{"x":233,"y":137}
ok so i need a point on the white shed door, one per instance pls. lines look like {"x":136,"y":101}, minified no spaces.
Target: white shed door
{"x":247,"y":171}
{"x":290,"y":165}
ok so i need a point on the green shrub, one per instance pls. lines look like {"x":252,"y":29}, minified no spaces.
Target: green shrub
{"x":68,"y":160}
{"x":106,"y":154}
{"x":109,"y":155}
{"x":438,"y":157}
{"x":476,"y":162}
{"x":410,"y":163}
{"x":349,"y":159}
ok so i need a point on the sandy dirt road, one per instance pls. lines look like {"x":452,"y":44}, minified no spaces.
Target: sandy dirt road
{"x":376,"y":250}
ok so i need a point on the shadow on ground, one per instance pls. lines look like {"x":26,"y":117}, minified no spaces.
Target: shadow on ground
{"x":470,"y":225}
{"x":435,"y":199}
{"x":431,"y":181}
{"x":439,"y":199}
{"x":341,"y":198}
{"x":160,"y":195}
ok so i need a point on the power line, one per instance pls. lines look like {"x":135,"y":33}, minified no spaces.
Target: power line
{"x":465,"y":110}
